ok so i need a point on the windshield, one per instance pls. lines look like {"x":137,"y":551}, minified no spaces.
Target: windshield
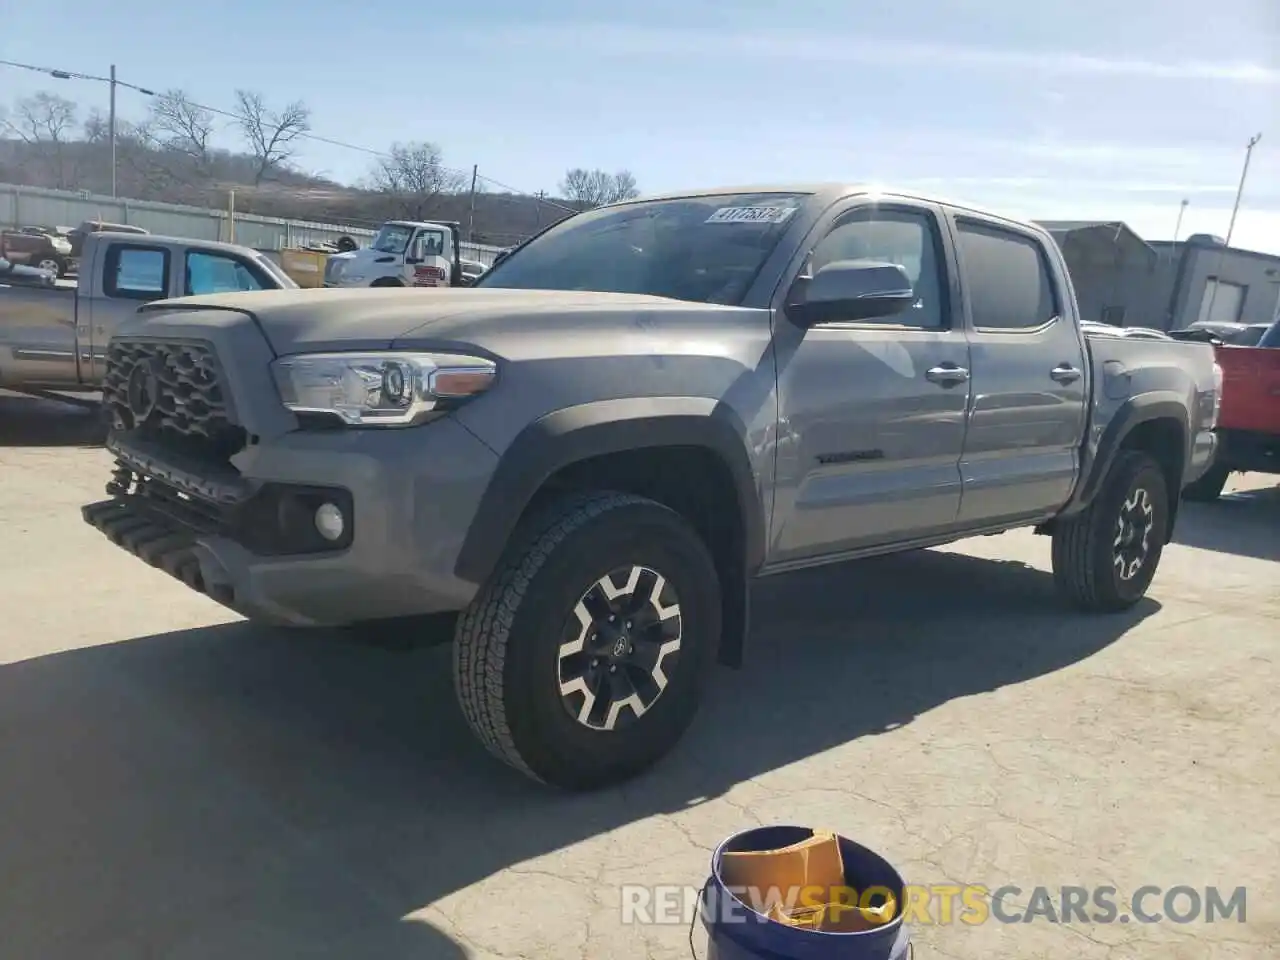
{"x":392,"y":238}
{"x":703,"y":249}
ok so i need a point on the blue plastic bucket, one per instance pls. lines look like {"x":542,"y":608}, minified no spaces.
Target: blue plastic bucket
{"x":736,"y":932}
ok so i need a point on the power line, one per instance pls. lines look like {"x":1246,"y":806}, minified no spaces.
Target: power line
{"x":231,"y":115}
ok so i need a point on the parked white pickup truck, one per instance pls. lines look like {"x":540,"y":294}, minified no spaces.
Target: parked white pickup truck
{"x":54,"y":338}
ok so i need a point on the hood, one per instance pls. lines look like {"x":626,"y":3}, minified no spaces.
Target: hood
{"x":497,"y":320}
{"x":362,"y":256}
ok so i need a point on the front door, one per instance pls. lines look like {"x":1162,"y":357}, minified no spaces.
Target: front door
{"x":130,"y":275}
{"x":872,"y":413}
{"x":1026,"y":426}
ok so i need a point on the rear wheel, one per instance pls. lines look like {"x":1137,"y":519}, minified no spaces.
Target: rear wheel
{"x":53,"y":265}
{"x":1104,"y":558}
{"x":1208,"y":487}
{"x":386,"y":282}
{"x":583,"y":661}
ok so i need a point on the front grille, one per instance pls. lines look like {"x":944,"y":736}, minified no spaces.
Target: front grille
{"x":171,"y":394}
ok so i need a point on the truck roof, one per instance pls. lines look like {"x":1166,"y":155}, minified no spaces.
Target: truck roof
{"x":830,"y":191}
{"x":424,"y":223}
{"x":187,"y":241}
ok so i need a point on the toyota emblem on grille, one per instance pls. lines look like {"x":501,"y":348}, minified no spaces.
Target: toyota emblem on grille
{"x":143,"y":392}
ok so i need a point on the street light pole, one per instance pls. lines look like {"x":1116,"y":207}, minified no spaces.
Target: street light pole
{"x":1248,"y":152}
{"x":111,"y":123}
{"x":1177,"y":227}
{"x":1235,"y":209}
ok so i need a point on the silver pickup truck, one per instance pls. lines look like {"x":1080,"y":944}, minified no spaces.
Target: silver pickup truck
{"x":54,"y":338}
{"x":588,"y":456}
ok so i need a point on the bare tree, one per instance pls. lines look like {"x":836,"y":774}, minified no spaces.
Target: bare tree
{"x":183,"y":126}
{"x":586,"y":189}
{"x":271,"y":135}
{"x":412,"y":176}
{"x":46,"y":123}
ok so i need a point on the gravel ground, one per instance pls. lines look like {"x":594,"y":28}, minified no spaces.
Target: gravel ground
{"x":179,"y":784}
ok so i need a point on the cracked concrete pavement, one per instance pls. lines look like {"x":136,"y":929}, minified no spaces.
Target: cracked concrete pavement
{"x":179,"y":784}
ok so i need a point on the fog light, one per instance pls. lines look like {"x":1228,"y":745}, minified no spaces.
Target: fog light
{"x":330,"y":522}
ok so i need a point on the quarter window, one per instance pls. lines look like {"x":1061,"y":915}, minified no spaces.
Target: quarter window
{"x":1007,"y":277}
{"x":906,"y":238}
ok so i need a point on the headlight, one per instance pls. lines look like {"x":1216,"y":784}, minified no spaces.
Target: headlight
{"x":386,"y":389}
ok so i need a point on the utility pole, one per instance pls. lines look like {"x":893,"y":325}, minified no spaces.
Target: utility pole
{"x":538,"y":223}
{"x":471,"y":213}
{"x":1235,"y":209}
{"x":111,"y":123}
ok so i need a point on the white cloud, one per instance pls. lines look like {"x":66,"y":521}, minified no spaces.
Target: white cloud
{"x":618,"y":40}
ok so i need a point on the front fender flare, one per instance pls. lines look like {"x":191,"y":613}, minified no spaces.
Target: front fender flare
{"x":577,"y":433}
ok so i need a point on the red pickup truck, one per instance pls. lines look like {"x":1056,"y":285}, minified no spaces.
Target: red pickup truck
{"x":1249,"y":421}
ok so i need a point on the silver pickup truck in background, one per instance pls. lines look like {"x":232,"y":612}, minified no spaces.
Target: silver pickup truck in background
{"x":54,"y":337}
{"x":589,"y":455}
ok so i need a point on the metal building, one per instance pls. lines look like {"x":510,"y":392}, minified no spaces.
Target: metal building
{"x":1211,"y":281}
{"x":1114,"y":271}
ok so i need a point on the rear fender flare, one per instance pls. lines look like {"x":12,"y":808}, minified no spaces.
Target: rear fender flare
{"x":1130,"y":415}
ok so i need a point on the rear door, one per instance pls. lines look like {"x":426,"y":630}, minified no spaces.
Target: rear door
{"x":871,"y":412}
{"x":1030,"y":385}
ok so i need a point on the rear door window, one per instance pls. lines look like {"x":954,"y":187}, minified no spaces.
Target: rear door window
{"x":1007,"y":278}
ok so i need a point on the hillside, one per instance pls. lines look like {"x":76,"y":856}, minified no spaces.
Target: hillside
{"x":148,"y":172}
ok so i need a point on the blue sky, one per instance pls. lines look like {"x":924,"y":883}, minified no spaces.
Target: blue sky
{"x":1062,"y":108}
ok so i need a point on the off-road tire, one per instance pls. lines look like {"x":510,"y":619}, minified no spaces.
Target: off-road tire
{"x":1209,"y":487}
{"x":1083,"y":546}
{"x":505,"y":651}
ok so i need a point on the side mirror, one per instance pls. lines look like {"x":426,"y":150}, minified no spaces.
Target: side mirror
{"x":851,"y":290}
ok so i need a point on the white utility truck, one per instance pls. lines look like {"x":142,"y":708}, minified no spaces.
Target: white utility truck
{"x":405,"y":253}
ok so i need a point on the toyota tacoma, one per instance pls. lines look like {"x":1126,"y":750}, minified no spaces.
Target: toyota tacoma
{"x":585,"y":459}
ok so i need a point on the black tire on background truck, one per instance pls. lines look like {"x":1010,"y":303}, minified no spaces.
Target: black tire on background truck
{"x":1209,"y":487}
{"x":582,"y":662}
{"x":1104,"y":558}
{"x":56,"y":265}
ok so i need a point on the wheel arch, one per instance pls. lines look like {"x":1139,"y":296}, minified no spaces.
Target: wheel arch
{"x":1155,"y":424}
{"x":590,"y":444}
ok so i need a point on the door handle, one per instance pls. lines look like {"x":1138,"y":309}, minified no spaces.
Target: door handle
{"x":947,"y":374}
{"x":1065,"y":373}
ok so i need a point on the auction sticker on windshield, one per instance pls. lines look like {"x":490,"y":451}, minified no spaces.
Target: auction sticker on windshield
{"x":751,"y":215}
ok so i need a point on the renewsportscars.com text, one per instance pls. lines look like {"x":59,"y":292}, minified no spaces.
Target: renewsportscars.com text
{"x":945,"y":904}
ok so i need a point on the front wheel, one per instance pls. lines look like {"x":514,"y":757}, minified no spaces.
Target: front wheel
{"x":582,"y":662}
{"x":1105,"y":557}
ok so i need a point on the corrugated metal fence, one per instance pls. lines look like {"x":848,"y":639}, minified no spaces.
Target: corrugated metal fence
{"x":37,"y":207}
